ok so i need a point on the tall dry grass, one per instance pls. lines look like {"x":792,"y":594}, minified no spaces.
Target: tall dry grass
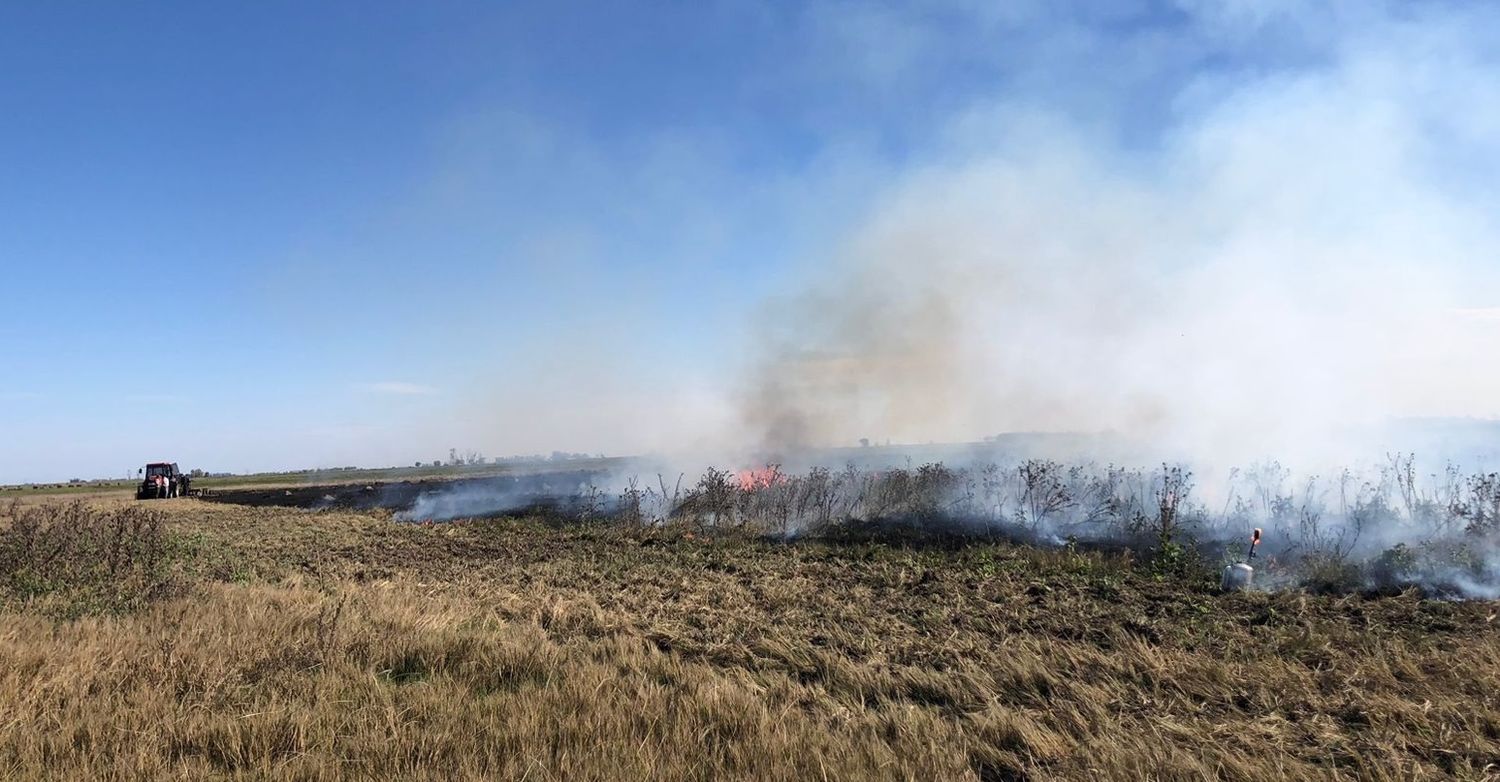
{"x":361,"y":649}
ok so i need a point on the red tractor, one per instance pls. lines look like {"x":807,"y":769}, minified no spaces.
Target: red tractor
{"x":161,"y":480}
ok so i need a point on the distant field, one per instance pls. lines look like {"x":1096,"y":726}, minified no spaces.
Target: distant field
{"x":101,"y":489}
{"x":216,"y":641}
{"x":1014,"y":445}
{"x":65,"y":489}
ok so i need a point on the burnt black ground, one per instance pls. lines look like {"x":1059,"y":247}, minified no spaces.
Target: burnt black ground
{"x":524,"y":490}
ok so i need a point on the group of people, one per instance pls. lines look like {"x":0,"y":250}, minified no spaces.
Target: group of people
{"x":167,"y":486}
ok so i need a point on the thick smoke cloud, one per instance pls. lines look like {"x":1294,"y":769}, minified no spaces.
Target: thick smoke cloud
{"x":1260,"y":244}
{"x":1296,"y":255}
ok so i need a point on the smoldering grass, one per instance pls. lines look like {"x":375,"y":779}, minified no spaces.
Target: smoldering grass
{"x":1380,"y":532}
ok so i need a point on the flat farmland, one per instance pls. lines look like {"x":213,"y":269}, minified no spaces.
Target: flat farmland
{"x":193,"y":640}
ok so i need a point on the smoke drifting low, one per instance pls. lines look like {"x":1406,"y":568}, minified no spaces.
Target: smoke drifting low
{"x":1299,"y":257}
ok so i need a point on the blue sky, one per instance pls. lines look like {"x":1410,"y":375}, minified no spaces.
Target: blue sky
{"x":281,"y":235}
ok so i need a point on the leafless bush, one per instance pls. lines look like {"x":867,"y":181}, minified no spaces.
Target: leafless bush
{"x":1266,"y":480}
{"x":992,"y":491}
{"x":772,"y":500}
{"x":591,"y":503}
{"x":665,"y":504}
{"x":932,"y":488}
{"x":629,"y":506}
{"x":714,"y":500}
{"x":1097,"y":493}
{"x":815,"y":495}
{"x":1334,"y":541}
{"x":1422,"y":507}
{"x":1043,"y":492}
{"x":1480,"y":506}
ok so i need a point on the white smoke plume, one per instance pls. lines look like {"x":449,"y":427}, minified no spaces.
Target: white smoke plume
{"x":1298,"y":255}
{"x":1296,"y":262}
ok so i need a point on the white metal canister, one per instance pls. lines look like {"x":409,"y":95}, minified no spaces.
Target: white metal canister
{"x":1236,"y":577}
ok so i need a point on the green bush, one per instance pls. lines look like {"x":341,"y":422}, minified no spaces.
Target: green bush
{"x":1395,"y":567}
{"x":75,"y":559}
{"x":1329,"y":574}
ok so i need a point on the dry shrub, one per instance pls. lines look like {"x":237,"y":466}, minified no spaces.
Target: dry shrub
{"x":75,"y":559}
{"x":1321,"y":536}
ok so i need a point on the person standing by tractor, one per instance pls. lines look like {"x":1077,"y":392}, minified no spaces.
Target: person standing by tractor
{"x":160,"y":481}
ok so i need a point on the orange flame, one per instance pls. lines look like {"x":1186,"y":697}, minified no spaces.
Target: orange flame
{"x":758,"y":478}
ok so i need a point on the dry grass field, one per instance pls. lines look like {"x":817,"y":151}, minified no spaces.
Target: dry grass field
{"x":202,"y":641}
